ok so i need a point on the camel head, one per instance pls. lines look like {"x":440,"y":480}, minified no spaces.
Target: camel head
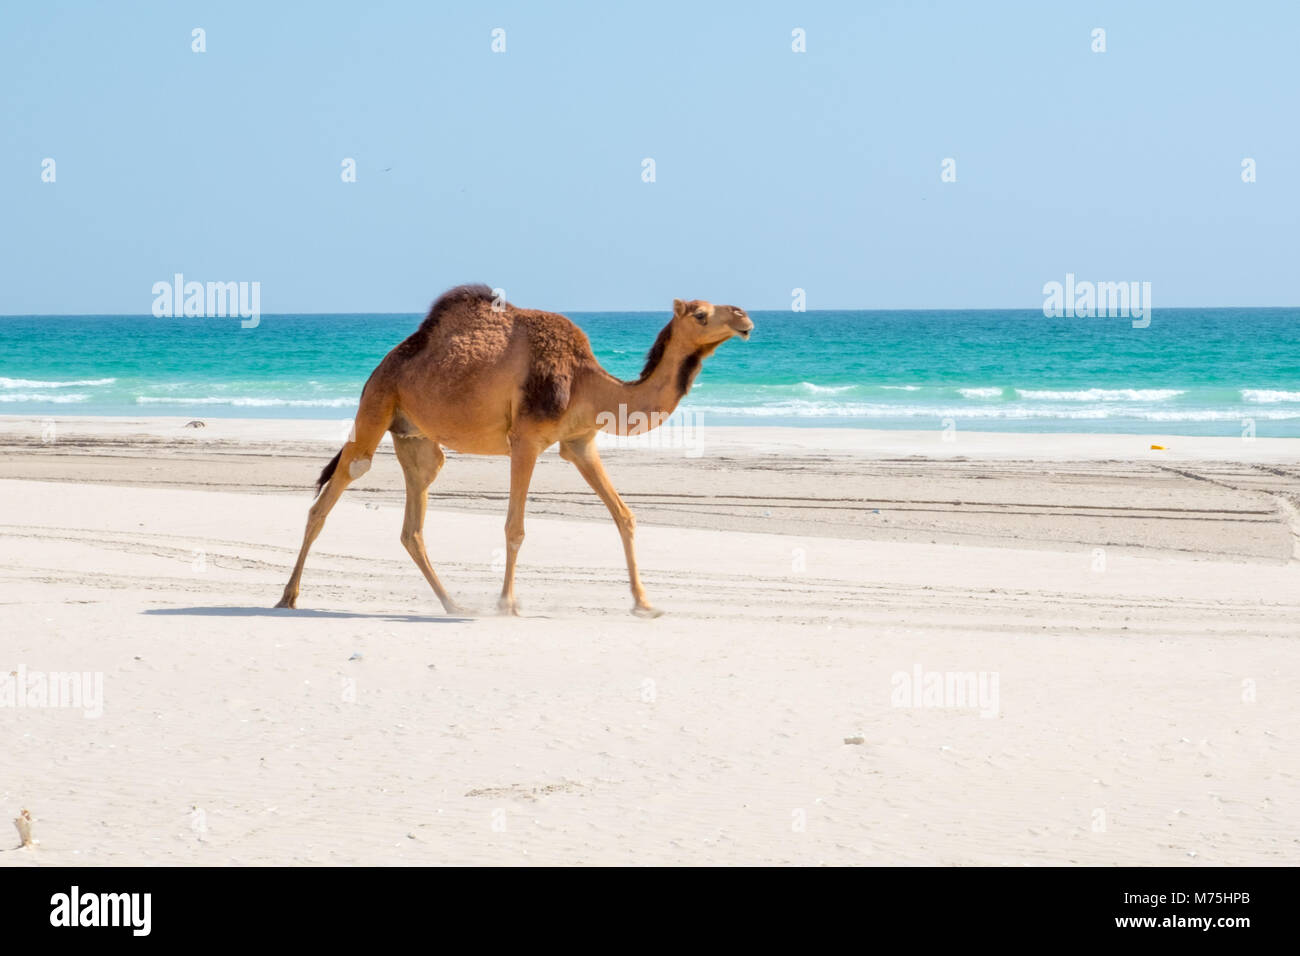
{"x":705,"y":324}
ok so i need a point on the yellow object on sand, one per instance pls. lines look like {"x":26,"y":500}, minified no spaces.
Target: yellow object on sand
{"x":1157,"y":447}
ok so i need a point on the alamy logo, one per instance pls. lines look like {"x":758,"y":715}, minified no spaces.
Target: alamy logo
{"x":23,"y":689}
{"x":654,"y":430}
{"x":102,"y":909}
{"x":1105,"y":299}
{"x":946,"y":689}
{"x":208,"y":300}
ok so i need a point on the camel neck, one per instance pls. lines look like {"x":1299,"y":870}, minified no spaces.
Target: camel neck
{"x":644,"y":404}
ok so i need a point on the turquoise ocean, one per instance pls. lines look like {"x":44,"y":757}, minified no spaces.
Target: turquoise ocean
{"x":1191,"y":372}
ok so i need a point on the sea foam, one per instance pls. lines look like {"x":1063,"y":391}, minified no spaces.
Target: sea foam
{"x":65,"y":399}
{"x":248,"y":401}
{"x":1268,"y":396}
{"x":1100,"y":395}
{"x":37,"y":383}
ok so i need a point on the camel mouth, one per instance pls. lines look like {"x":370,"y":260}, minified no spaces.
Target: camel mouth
{"x":741,"y":325}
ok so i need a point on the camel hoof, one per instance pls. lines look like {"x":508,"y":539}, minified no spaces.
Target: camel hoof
{"x":458,"y":610}
{"x":508,"y":607}
{"x":289,"y":602}
{"x":646,"y":611}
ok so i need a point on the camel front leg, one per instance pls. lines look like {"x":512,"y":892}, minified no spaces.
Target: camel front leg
{"x":421,"y":460}
{"x":523,"y":458}
{"x":582,"y":452}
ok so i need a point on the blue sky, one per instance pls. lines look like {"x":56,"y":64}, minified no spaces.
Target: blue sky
{"x":774,"y":170}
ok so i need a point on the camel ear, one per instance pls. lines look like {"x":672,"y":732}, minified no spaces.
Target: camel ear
{"x":679,"y":307}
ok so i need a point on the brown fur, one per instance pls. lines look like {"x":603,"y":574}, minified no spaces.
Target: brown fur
{"x":656,"y":353}
{"x":459,"y":296}
{"x":510,"y":381}
{"x":557,"y":349}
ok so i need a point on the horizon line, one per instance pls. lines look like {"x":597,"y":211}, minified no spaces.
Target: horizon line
{"x":149,"y":315}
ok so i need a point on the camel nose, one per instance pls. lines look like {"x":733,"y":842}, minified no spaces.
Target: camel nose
{"x":741,"y":322}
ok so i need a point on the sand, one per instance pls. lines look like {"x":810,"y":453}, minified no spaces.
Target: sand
{"x":1131,"y":615}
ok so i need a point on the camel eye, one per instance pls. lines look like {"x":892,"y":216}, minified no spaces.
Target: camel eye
{"x":701,"y":317}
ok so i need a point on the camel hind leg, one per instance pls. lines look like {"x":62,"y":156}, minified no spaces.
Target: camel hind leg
{"x":421,"y":460}
{"x":354,"y":461}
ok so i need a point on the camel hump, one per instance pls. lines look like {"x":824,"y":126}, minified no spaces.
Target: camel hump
{"x":462,"y":295}
{"x":452,"y":314}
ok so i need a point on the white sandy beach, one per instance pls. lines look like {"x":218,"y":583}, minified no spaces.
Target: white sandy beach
{"x":1137,"y":607}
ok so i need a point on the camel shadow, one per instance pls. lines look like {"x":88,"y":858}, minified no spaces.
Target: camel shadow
{"x":292,"y":613}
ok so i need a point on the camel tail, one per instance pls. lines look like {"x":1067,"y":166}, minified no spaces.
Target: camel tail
{"x":328,"y":472}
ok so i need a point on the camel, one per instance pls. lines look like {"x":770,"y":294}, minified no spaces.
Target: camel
{"x":482,"y":377}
